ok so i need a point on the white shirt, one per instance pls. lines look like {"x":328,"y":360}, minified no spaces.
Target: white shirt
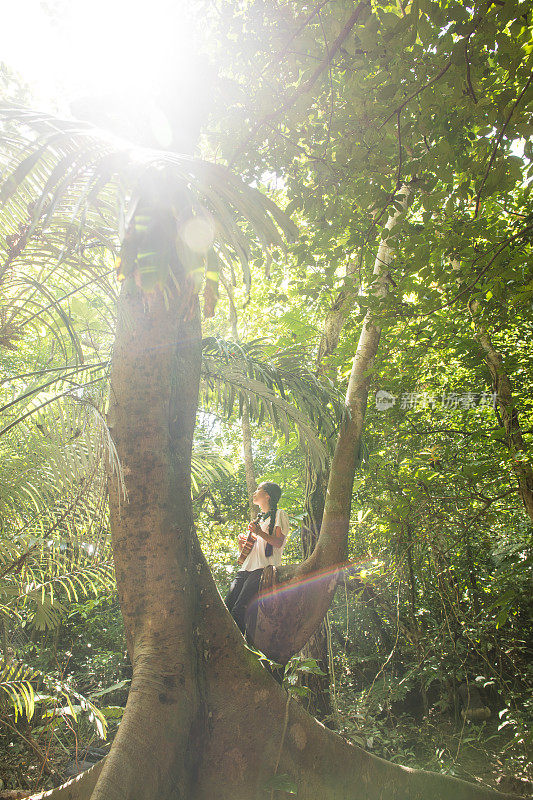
{"x":257,"y":559}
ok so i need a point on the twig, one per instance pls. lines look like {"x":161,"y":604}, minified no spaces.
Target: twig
{"x":316,"y":10}
{"x":302,"y":149}
{"x":493,"y":259}
{"x":429,"y":431}
{"x":51,"y":726}
{"x":476,"y":22}
{"x":481,"y":273}
{"x":437,"y":77}
{"x":395,"y":641}
{"x":487,"y":503}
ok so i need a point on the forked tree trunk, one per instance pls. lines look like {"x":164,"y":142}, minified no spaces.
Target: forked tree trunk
{"x":203,"y":719}
{"x":298,"y":597}
{"x":319,"y":703}
{"x":319,"y":700}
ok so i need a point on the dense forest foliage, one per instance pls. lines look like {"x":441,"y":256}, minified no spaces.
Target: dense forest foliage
{"x":397,"y":138}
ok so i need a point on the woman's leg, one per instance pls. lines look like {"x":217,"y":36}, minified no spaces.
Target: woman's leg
{"x":248,"y":591}
{"x":235,"y":589}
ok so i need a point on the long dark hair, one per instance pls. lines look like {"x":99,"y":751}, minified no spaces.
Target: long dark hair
{"x":274,"y":492}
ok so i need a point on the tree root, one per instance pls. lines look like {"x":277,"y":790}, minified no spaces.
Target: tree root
{"x":79,"y":788}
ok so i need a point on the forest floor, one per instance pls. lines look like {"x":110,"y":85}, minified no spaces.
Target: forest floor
{"x":477,"y":752}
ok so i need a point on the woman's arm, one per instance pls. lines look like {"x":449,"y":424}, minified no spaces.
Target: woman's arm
{"x":276,"y":540}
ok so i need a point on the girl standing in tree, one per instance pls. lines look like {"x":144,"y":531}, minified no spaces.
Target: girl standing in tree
{"x":271,"y":528}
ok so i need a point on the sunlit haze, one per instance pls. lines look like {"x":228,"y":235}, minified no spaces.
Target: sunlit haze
{"x":102,"y":47}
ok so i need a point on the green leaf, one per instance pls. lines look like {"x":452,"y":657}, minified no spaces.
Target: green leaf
{"x":109,"y":689}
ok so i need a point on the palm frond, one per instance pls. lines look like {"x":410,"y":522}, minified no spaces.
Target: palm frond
{"x":54,"y":442}
{"x":67,"y":173}
{"x":276,"y":386}
{"x":16,"y":683}
{"x":207,"y":467}
{"x":39,"y":592}
{"x":25,"y":687}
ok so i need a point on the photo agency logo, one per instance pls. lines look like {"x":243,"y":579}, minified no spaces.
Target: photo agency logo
{"x":384,"y":400}
{"x":420,"y":400}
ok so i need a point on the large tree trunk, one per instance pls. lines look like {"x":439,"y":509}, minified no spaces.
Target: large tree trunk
{"x":153,"y":402}
{"x":203,"y":719}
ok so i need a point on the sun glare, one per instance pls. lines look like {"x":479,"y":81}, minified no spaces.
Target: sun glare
{"x":106,"y":47}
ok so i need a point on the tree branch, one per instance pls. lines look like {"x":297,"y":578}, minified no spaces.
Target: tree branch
{"x":437,"y":77}
{"x":476,"y":21}
{"x":316,"y":10}
{"x":481,"y":272}
{"x":324,"y":64}
{"x":468,"y":79}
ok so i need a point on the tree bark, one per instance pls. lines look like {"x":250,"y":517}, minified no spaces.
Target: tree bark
{"x":336,"y":317}
{"x":157,"y":354}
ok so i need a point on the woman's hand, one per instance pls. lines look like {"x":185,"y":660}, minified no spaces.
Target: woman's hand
{"x":241,"y":540}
